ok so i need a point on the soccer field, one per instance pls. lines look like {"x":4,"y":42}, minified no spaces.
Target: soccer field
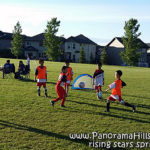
{"x":30,"y":122}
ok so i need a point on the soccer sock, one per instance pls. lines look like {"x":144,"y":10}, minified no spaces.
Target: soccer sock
{"x":39,"y":91}
{"x":45,"y":89}
{"x":100,"y":93}
{"x":127,"y":104}
{"x":108,"y":106}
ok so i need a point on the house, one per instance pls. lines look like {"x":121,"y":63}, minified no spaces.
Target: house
{"x":5,"y":45}
{"x":148,"y":54}
{"x":72,"y":47}
{"x":115,"y":47}
{"x":99,"y":50}
{"x":33,"y":46}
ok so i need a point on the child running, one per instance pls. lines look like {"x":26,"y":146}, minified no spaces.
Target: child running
{"x":69,"y":75}
{"x":98,"y":80}
{"x":41,"y":76}
{"x":116,"y":91}
{"x":59,"y":87}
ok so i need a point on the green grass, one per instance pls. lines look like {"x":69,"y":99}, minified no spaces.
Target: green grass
{"x":29,"y":122}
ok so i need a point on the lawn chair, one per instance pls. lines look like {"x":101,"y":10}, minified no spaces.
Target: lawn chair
{"x":26,"y":73}
{"x":8,"y":70}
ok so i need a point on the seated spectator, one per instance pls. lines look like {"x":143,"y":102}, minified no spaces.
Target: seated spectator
{"x":21,"y":68}
{"x":9,"y":66}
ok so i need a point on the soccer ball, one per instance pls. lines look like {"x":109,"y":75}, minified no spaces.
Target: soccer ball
{"x":81,"y":84}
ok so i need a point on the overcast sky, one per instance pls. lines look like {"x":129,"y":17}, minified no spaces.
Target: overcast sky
{"x":100,"y":20}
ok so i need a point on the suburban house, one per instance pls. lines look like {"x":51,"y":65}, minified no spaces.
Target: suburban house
{"x":5,"y":45}
{"x":114,"y":48}
{"x":148,"y":54}
{"x":72,"y":47}
{"x":33,"y":46}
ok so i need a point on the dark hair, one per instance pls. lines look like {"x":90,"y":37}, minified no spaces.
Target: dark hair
{"x":99,"y":64}
{"x":63,"y":68}
{"x":67,"y":61}
{"x":119,"y":72}
{"x":8,"y":61}
{"x":41,"y":60}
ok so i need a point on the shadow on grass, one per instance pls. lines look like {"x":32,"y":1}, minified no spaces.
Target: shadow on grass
{"x":116,"y":108}
{"x":43,"y":132}
{"x":141,"y":97}
{"x":109,"y":114}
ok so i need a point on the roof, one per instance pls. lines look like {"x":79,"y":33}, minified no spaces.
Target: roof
{"x":81,"y":39}
{"x":40,"y":37}
{"x":143,"y":45}
{"x":8,"y":36}
{"x":148,"y":44}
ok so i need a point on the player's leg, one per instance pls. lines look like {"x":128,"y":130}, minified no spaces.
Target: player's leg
{"x":97,"y":91}
{"x":110,"y":98}
{"x":67,"y":87}
{"x":45,"y":89}
{"x":63,"y":94}
{"x":100,"y":92}
{"x":38,"y":88}
{"x":58,"y":91}
{"x":130,"y":105}
{"x":127,"y":104}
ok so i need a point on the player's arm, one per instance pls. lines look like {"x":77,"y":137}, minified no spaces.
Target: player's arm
{"x":123,"y":84}
{"x":111,"y":86}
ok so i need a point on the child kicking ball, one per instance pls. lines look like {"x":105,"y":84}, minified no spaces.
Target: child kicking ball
{"x":116,"y":92}
{"x":98,"y":80}
{"x":59,"y":87}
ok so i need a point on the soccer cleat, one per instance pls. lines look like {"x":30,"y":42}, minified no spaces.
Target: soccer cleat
{"x":107,"y":111}
{"x":52,"y":103}
{"x":134,"y":108}
{"x":63,"y":106}
{"x":39,"y":94}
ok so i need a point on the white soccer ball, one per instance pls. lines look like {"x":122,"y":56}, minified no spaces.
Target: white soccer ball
{"x":81,"y":84}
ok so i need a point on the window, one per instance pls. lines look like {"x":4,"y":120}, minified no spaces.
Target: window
{"x":74,"y":46}
{"x":28,"y":43}
{"x":68,"y":47}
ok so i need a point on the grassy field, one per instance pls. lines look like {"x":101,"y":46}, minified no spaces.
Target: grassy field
{"x":29,"y":122}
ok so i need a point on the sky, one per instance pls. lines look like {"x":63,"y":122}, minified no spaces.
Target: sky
{"x":99,"y":20}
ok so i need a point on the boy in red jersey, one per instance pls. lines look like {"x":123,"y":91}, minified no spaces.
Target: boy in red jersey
{"x":69,"y":75}
{"x":98,"y":80}
{"x":116,"y":91}
{"x":59,"y":87}
{"x":41,"y":76}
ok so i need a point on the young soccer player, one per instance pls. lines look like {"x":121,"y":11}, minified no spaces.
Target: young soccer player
{"x":69,"y":75}
{"x":59,"y":87}
{"x":41,"y":76}
{"x":116,"y":91}
{"x":98,"y":80}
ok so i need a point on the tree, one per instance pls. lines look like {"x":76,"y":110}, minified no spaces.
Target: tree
{"x":91,"y":59}
{"x":131,"y":53}
{"x":82,"y":55}
{"x":17,"y":42}
{"x":52,"y":42}
{"x":104,"y":56}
